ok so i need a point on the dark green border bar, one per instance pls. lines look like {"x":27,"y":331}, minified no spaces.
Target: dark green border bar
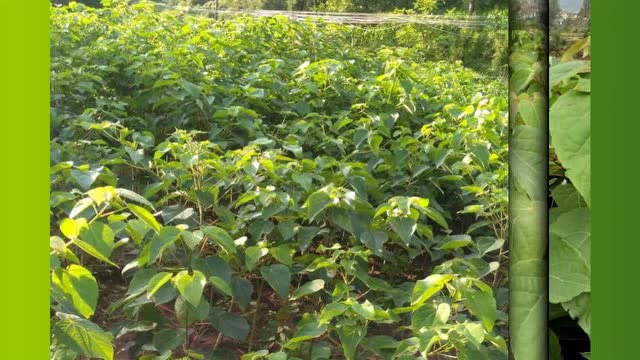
{"x":24,"y":179}
{"x":615,"y":196}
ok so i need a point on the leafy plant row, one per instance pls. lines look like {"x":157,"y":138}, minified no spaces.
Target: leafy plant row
{"x":261,"y":188}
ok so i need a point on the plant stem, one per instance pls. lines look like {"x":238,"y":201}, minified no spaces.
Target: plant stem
{"x":310,"y":353}
{"x":215,"y":346}
{"x":186,"y":331}
{"x":255,"y":316}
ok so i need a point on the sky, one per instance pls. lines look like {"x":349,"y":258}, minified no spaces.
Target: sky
{"x":571,"y":6}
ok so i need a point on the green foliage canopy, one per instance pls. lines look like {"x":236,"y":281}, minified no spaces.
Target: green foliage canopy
{"x":243,"y":173}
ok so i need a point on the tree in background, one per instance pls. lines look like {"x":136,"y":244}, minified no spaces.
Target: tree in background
{"x":366,"y":6}
{"x":241,"y":4}
{"x":92,"y":3}
{"x":276,"y":4}
{"x":554,"y":9}
{"x":585,"y":11}
{"x":425,"y":6}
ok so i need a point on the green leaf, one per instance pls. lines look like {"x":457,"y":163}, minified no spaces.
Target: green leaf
{"x":481,"y":153}
{"x":280,"y":355}
{"x":137,"y":230}
{"x":222,"y":237}
{"x":350,"y":336}
{"x":455,"y":241}
{"x":86,"y":178}
{"x":242,"y":291}
{"x":564,"y":71}
{"x":436,"y":216}
{"x":306,"y":235}
{"x":190,"y":286}
{"x":521,"y":78}
{"x":583,"y":85}
{"x":487,"y":244}
{"x":282,"y":253}
{"x":366,"y":310}
{"x":279,"y":277}
{"x":474,"y":333}
{"x":440,"y":156}
{"x":287,"y":229}
{"x":192,"y":239}
{"x":304,"y":180}
{"x":177,"y":214}
{"x":555,"y":352}
{"x":404,"y":227}
{"x":255,"y":355}
{"x":140,"y":281}
{"x":306,"y":329}
{"x":83,"y":337}
{"x":157,"y":282}
{"x":567,"y":197}
{"x":80,"y":207}
{"x":230,"y":325}
{"x":580,"y":308}
{"x":530,"y":289}
{"x":330,"y":311}
{"x":252,"y":255}
{"x":426,"y":288}
{"x":482,"y":305}
{"x":528,"y":281}
{"x":213,"y":266}
{"x":570,"y":130}
{"x":80,"y":286}
{"x":100,"y":237}
{"x":191,"y":88}
{"x":530,"y":109}
{"x":383,"y":345}
{"x":159,"y":242}
{"x":145,"y":216}
{"x":71,"y":228}
{"x":166,"y":293}
{"x":471,"y":209}
{"x":527,"y":161}
{"x":569,"y":256}
{"x":93,"y":252}
{"x":430,"y":315}
{"x":130,"y":195}
{"x":221,"y":285}
{"x":308,"y":288}
{"x":374,"y":240}
{"x":316,"y":203}
{"x":168,"y":339}
{"x":187,"y":314}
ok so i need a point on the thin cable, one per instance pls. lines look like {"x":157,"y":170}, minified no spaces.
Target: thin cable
{"x":472,"y":21}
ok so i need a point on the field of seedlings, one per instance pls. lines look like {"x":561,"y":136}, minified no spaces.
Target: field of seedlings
{"x":261,"y":188}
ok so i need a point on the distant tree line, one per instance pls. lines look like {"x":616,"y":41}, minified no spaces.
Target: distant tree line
{"x":424,"y":6}
{"x":92,"y":3}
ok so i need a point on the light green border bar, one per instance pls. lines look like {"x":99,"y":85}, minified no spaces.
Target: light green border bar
{"x":528,"y":154}
{"x":24,"y":27}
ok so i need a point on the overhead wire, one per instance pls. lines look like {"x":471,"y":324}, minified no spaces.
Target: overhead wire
{"x":469,"y":21}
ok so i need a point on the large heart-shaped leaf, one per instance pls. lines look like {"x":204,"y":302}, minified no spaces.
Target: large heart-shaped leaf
{"x":230,"y":325}
{"x":279,"y":277}
{"x":570,"y":129}
{"x":83,"y":336}
{"x":190,"y":286}
{"x":161,"y":241}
